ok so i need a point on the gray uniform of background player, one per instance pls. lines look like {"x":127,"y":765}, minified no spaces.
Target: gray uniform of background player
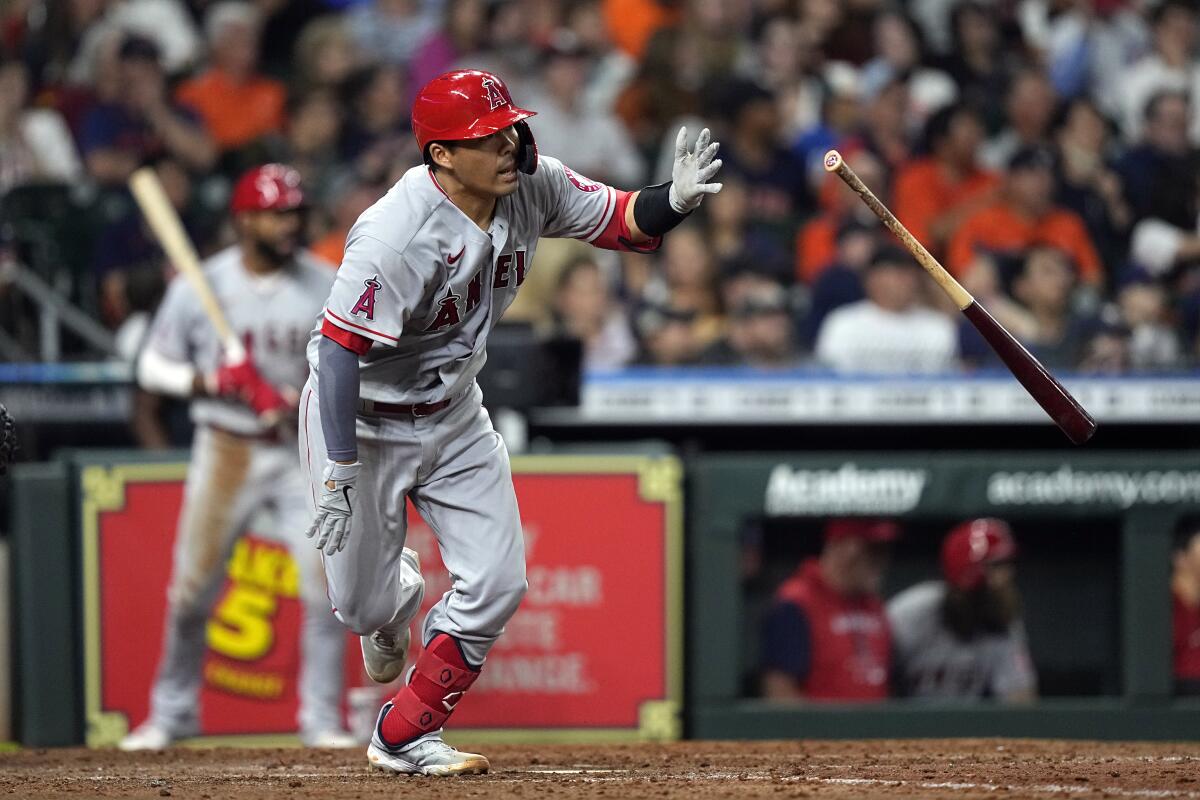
{"x":932,"y":662}
{"x":234,"y":481}
{"x":425,"y":254}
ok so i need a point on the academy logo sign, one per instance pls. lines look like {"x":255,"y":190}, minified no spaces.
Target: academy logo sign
{"x":845,"y":490}
{"x":1068,"y":486}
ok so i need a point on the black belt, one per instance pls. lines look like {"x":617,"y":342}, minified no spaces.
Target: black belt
{"x":413,"y":409}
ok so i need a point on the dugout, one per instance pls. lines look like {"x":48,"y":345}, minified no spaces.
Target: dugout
{"x":1095,"y":535}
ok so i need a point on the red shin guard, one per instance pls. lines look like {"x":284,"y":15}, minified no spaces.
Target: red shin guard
{"x":439,"y":679}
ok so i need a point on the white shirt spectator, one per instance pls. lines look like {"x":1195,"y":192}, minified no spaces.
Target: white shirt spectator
{"x":1147,"y":78}
{"x":864,"y":338}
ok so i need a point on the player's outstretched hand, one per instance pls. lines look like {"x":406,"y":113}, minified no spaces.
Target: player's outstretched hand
{"x":692,"y":173}
{"x":334,"y":507}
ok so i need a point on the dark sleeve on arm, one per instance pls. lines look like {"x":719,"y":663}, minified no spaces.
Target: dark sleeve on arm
{"x":787,"y":641}
{"x":337,"y":393}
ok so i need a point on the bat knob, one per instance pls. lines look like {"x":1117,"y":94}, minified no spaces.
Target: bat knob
{"x":833,"y":160}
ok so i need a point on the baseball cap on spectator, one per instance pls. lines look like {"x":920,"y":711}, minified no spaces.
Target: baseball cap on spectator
{"x":139,"y":48}
{"x":653,"y":317}
{"x":870,"y":530}
{"x":1031,"y":157}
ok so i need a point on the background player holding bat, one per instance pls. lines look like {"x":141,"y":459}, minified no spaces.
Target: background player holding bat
{"x":268,"y":291}
{"x":392,"y":410}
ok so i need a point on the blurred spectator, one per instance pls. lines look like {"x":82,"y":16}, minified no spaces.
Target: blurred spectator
{"x":325,"y":53}
{"x":584,"y":310}
{"x":900,"y":56}
{"x":816,"y":243}
{"x":934,"y":194}
{"x":309,"y":143}
{"x":1087,"y":183}
{"x":1029,"y":110}
{"x":978,"y":61}
{"x":1146,"y":314}
{"x":760,"y":332}
{"x":610,"y":70}
{"x":776,"y":183}
{"x":462,"y":33}
{"x":376,"y":132}
{"x":1024,"y":216}
{"x":347,"y":202}
{"x":888,"y":332}
{"x":666,"y":88}
{"x":962,"y":637}
{"x":1185,"y":600}
{"x":840,"y":282}
{"x":731,"y":239}
{"x":785,"y":63}
{"x":887,"y":127}
{"x":35,"y":145}
{"x":666,"y":335}
{"x":1045,"y":287}
{"x":390,"y":31}
{"x":840,"y":118}
{"x":166,"y":23}
{"x":142,"y":124}
{"x":127,"y":247}
{"x":687,"y":280}
{"x":1170,"y":67}
{"x":593,"y":143}
{"x":237,"y":104}
{"x":827,"y":637}
{"x":1160,"y":172}
{"x":632,"y":23}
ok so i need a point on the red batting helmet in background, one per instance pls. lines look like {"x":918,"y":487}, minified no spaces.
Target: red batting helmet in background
{"x":971,"y":546}
{"x":271,"y":187}
{"x":470,"y":104}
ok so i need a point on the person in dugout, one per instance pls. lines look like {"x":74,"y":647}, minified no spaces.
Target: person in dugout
{"x":1185,"y":603}
{"x":826,"y":637}
{"x":963,"y":637}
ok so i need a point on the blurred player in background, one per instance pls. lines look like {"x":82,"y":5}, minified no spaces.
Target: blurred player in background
{"x":963,"y":637}
{"x":243,"y":464}
{"x":1185,"y":600}
{"x":827,"y":637}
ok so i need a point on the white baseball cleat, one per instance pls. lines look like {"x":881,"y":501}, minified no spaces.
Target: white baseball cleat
{"x":385,"y":650}
{"x":425,"y":755}
{"x":147,"y":736}
{"x":329,"y":739}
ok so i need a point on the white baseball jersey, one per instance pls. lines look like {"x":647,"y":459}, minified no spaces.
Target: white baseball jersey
{"x":932,"y":662}
{"x":271,"y":314}
{"x":426,"y":285}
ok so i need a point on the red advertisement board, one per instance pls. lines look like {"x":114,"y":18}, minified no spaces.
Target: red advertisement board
{"x":594,"y":650}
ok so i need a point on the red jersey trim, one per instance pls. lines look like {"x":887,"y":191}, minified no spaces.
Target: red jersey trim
{"x":355,"y":343}
{"x":376,"y":335}
{"x":433,"y":178}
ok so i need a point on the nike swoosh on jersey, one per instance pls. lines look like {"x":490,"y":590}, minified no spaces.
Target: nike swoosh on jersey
{"x":452,"y":260}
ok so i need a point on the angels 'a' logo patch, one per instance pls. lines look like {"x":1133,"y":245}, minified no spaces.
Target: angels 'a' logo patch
{"x":581,"y":183}
{"x":366,"y":301}
{"x":492,"y":92}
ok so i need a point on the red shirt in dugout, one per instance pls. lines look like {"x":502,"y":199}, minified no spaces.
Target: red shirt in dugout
{"x":837,"y":647}
{"x":1186,"y":641}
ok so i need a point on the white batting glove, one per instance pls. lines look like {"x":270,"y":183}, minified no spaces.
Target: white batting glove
{"x":332,"y":525}
{"x":692,"y":171}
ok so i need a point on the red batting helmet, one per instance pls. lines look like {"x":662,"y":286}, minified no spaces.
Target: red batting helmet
{"x":470,"y":104}
{"x":271,"y":187}
{"x":971,"y":546}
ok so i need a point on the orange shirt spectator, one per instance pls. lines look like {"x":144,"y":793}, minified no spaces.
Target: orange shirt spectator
{"x":816,"y":242}
{"x":925,"y":191}
{"x":235,"y":112}
{"x":331,"y":247}
{"x":1002,"y":228}
{"x":1025,"y":216}
{"x":631,"y":23}
{"x":237,"y":103}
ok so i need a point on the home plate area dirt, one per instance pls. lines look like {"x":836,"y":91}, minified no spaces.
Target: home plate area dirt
{"x":694,"y":770}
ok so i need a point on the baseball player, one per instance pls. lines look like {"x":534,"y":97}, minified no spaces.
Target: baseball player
{"x":392,"y":410}
{"x":963,"y":637}
{"x":270,"y":291}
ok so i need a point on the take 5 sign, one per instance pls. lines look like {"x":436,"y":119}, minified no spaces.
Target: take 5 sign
{"x":594,"y":650}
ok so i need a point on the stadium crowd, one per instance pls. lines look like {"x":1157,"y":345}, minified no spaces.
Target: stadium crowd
{"x":1044,"y":149}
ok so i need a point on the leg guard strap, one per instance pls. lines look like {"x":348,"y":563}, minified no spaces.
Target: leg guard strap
{"x":439,"y":679}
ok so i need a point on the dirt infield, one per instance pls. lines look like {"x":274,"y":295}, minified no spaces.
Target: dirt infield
{"x":838,"y":769}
